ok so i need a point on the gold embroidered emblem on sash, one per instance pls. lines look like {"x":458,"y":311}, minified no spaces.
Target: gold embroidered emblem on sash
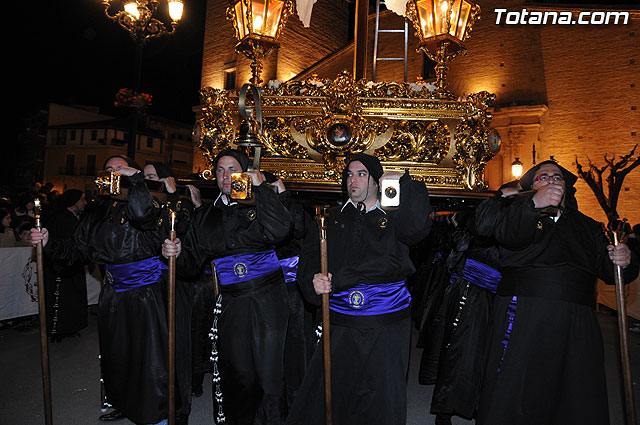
{"x":240,"y":269}
{"x":382,"y":223}
{"x":356,"y":299}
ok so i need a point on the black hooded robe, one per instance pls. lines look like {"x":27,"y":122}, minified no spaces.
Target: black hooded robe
{"x":545,"y":361}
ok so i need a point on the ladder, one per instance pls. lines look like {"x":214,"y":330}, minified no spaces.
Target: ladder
{"x":378,"y":31}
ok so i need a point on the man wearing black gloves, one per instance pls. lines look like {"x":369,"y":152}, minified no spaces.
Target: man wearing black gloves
{"x":368,"y":259}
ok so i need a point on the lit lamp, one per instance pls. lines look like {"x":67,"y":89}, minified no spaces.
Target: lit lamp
{"x":258,"y":24}
{"x":442,"y":26}
{"x":516,"y":168}
{"x":137,"y":17}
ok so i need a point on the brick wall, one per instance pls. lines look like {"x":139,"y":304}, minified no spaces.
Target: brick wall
{"x":587,"y":76}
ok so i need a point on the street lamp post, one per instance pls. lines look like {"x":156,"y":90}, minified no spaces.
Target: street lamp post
{"x":442,"y":26}
{"x":137,"y":17}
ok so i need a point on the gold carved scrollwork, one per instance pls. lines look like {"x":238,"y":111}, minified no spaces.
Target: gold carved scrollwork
{"x":213,"y":131}
{"x":473,"y":149}
{"x":341,"y":130}
{"x":312,"y":127}
{"x":278,"y":140}
{"x":421,"y":141}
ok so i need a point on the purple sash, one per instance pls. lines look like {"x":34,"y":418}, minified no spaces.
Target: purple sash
{"x":479,"y":274}
{"x":243,"y":267}
{"x":369,"y":300}
{"x":124,"y":277}
{"x":289,"y":268}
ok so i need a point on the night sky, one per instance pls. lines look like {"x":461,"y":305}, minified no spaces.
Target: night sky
{"x":69,"y":52}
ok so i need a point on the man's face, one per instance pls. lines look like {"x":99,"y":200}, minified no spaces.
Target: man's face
{"x":81,"y":204}
{"x":150,"y":173}
{"x":226,"y":166}
{"x":548,"y":174}
{"x":360,"y":187}
{"x":115,"y":164}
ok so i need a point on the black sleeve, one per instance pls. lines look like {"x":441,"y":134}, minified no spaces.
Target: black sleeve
{"x":141,"y":209}
{"x":605,"y":267}
{"x":512,"y":223}
{"x":413,"y":222}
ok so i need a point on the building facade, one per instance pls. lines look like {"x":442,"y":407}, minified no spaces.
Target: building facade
{"x":567,"y":91}
{"x":80,"y":139}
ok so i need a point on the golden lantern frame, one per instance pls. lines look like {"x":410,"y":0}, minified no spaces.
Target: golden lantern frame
{"x":442,"y":26}
{"x":258,"y":25}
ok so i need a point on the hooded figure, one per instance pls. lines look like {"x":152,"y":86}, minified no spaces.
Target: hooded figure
{"x":161,"y":170}
{"x":570,"y":179}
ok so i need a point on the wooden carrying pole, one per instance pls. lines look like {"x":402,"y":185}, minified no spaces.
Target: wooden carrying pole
{"x":624,"y":342}
{"x":44,"y":347}
{"x":326,"y":339}
{"x":172,"y":325}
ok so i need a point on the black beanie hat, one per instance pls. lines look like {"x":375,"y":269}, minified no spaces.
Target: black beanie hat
{"x":70,"y":197}
{"x":242,"y":159}
{"x":371,"y":163}
{"x":130,"y":162}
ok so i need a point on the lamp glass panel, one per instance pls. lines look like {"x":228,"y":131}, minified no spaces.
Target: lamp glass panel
{"x":257,"y":13}
{"x":274,"y":12}
{"x":175,"y":9}
{"x":455,"y":10}
{"x":516,"y":170}
{"x":241,"y":18}
{"x":463,"y":20}
{"x":441,"y":14}
{"x":131,"y":8}
{"x":425,"y":8}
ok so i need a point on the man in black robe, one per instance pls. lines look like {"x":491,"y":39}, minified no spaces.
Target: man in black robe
{"x":66,"y":284}
{"x":253,"y":323}
{"x":122,"y":233}
{"x":368,"y":259}
{"x":546,"y":357}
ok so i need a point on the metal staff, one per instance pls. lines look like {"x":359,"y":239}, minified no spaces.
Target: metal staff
{"x":321,"y":215}
{"x":624,"y":342}
{"x":44,"y":347}
{"x":172,"y":324}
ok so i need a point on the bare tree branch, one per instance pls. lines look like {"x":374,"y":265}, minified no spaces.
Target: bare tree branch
{"x":615,"y":179}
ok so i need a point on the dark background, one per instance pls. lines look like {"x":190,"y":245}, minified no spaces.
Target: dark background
{"x":69,"y":52}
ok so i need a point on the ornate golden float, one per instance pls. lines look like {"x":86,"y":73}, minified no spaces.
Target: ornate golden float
{"x":310,"y":128}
